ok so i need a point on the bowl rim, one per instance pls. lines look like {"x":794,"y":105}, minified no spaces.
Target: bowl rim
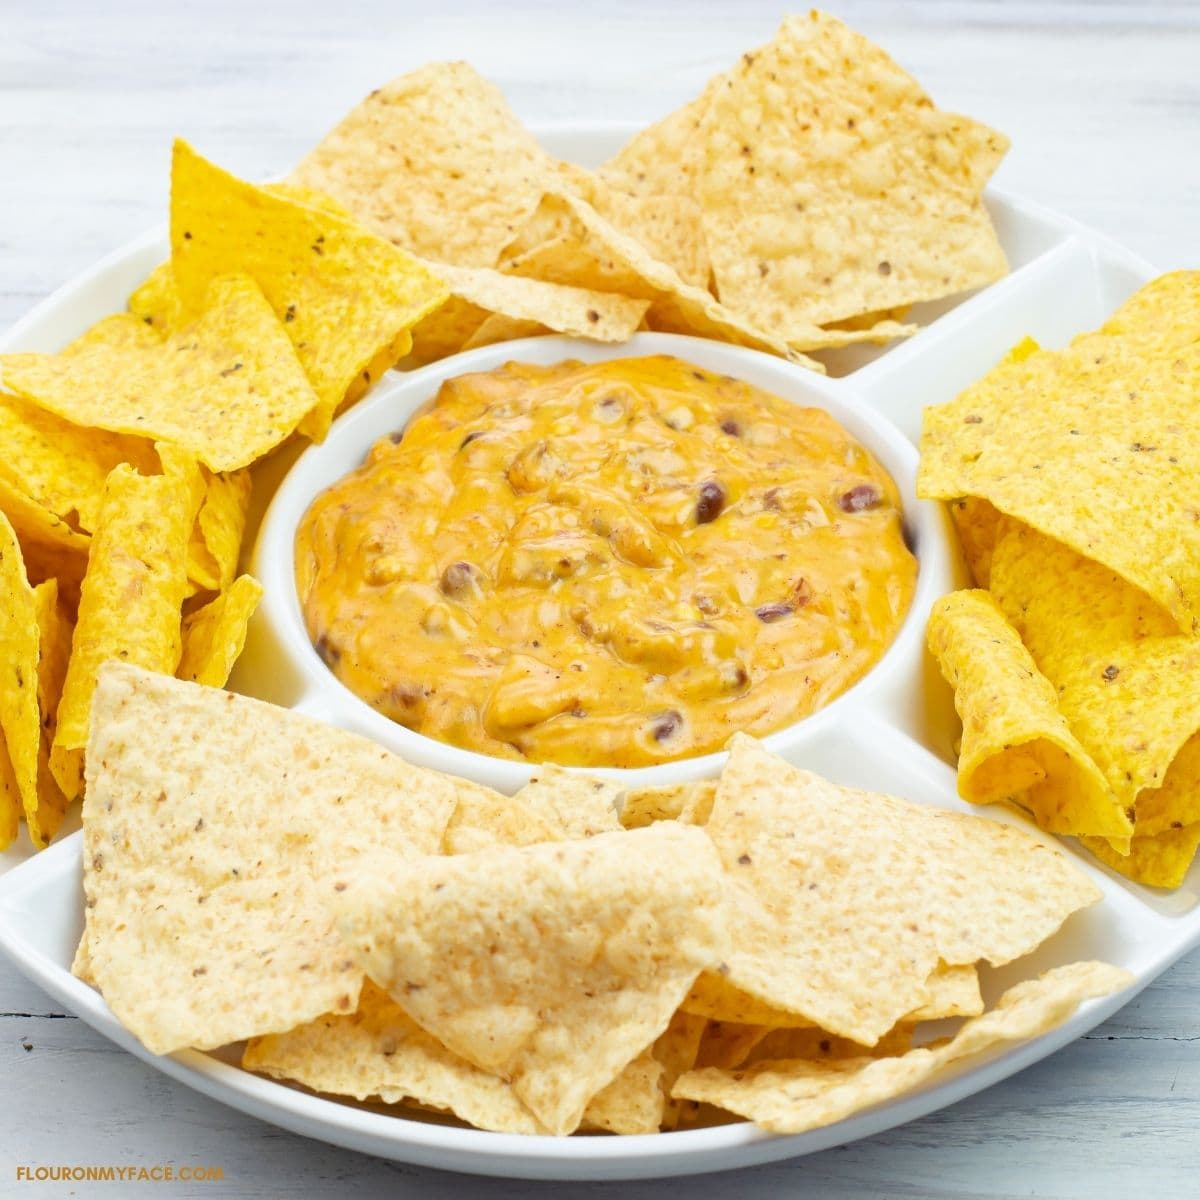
{"x":319,"y":466}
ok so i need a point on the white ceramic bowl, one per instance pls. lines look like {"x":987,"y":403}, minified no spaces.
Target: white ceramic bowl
{"x":280,"y":664}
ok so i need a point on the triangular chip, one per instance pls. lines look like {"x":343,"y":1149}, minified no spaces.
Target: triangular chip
{"x":553,"y":965}
{"x":807,"y":859}
{"x":1099,"y":418}
{"x":792,"y":1095}
{"x":213,"y":826}
{"x":832,"y":186}
{"x":226,"y":385}
{"x":344,"y":296}
{"x":379,"y":1051}
{"x":213,"y":636}
{"x":217,"y":539}
{"x":436,"y":162}
{"x":578,"y":805}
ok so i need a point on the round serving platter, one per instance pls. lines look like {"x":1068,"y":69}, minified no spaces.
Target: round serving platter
{"x":892,"y":732}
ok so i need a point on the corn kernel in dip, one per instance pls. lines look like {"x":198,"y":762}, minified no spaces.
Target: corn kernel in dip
{"x":606,"y":564}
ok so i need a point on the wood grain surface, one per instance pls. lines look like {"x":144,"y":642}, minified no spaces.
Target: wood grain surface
{"x":1102,"y":101}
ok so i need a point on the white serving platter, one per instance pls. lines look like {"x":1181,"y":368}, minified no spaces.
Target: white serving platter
{"x":891,"y":732}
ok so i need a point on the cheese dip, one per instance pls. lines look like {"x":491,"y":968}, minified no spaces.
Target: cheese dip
{"x":607,"y":564}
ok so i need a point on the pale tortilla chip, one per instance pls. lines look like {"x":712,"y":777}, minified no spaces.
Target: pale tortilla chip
{"x":554,"y":965}
{"x":484,"y":818}
{"x":690,"y":803}
{"x":499,"y":328}
{"x":478,"y":293}
{"x":226,"y":386}
{"x":676,"y":1048}
{"x":436,"y":162}
{"x":575,"y":804}
{"x":62,"y":466}
{"x":806,"y":859}
{"x":632,"y":1103}
{"x":1016,"y":744}
{"x":207,"y":915}
{"x":831,"y":186}
{"x":346,"y":298}
{"x":379,"y":1051}
{"x":792,"y":1095}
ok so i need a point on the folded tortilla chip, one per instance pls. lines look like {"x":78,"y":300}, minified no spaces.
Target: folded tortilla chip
{"x":213,"y":636}
{"x":553,"y":965}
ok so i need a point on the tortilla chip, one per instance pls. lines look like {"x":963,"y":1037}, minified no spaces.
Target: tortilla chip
{"x":213,"y":636}
{"x":51,"y":546}
{"x":130,"y":605}
{"x":1159,"y":860}
{"x":207,"y":921}
{"x":632,"y":1103}
{"x":1123,"y":675}
{"x":217,"y":539}
{"x":669,"y":225}
{"x":976,"y":522}
{"x":577,"y":805}
{"x":726,"y":1044}
{"x":816,"y":1045}
{"x":553,"y":965}
{"x":690,"y":803}
{"x":63,"y":466}
{"x":499,"y":328}
{"x":792,"y":1095}
{"x":915,"y":884}
{"x":676,"y":1048}
{"x":344,"y":296}
{"x":156,"y":300}
{"x":484,"y":818}
{"x":436,"y":162}
{"x":378,"y":1051}
{"x":19,"y":650}
{"x":54,"y":649}
{"x":1099,"y":418}
{"x":226,"y":386}
{"x":831,"y":186}
{"x":477,"y":293}
{"x":948,"y":992}
{"x":590,"y":252}
{"x":1016,"y":744}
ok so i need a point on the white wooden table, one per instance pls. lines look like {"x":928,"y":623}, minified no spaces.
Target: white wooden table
{"x":1102,"y":101}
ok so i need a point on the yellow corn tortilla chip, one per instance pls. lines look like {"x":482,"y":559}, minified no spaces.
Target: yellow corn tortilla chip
{"x":206,"y":917}
{"x":1016,"y":743}
{"x":132,"y":596}
{"x":216,"y":542}
{"x":60,"y":465}
{"x":792,"y":1095}
{"x":917,"y":885}
{"x":575,"y":804}
{"x":379,"y":1051}
{"x":344,"y":296}
{"x":976,"y":522}
{"x":54,"y":649}
{"x":52,"y":548}
{"x":156,"y":300}
{"x":1159,"y":860}
{"x":19,"y":651}
{"x":213,"y":636}
{"x":10,"y":799}
{"x":1123,"y":675}
{"x":436,"y":162}
{"x":478,"y":292}
{"x":831,"y":186}
{"x":1099,"y":419}
{"x":553,"y":965}
{"x":226,"y":386}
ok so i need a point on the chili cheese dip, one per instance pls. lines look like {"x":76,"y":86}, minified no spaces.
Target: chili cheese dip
{"x":608,"y":564}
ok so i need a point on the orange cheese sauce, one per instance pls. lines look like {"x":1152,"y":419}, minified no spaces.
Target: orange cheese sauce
{"x":610,"y":564}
